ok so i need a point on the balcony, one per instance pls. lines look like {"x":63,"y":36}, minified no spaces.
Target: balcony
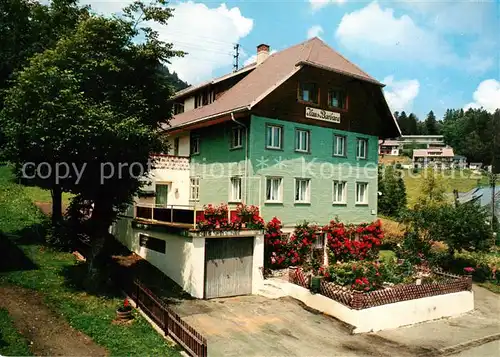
{"x":178,"y":216}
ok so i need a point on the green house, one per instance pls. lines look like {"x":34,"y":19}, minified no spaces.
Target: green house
{"x":295,"y":133}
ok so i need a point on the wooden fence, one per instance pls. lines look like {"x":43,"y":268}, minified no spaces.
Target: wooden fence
{"x":171,"y":323}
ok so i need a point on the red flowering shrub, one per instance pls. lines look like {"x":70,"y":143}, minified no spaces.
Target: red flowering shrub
{"x":248,"y":216}
{"x":282,"y":252}
{"x":353,"y":242}
{"x":215,"y":217}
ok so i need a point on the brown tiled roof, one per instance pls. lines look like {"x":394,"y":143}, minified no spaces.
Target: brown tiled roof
{"x":192,"y":88}
{"x":271,"y":73}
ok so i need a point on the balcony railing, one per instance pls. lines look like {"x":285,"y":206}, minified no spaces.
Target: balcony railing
{"x":173,"y":215}
{"x":171,"y":162}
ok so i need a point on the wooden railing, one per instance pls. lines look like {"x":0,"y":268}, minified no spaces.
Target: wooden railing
{"x":170,"y":322}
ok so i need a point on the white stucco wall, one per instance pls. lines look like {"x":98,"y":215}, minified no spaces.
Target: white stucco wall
{"x":387,"y":316}
{"x":258,"y":263}
{"x":183,"y":260}
{"x":179,"y":185}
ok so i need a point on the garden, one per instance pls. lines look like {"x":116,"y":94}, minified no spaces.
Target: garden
{"x":341,"y":260}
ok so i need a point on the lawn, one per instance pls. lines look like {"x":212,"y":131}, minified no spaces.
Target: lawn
{"x":88,"y":313}
{"x":11,"y":342}
{"x":461,"y":180}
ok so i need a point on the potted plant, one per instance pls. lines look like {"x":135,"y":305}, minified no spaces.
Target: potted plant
{"x":124,"y":312}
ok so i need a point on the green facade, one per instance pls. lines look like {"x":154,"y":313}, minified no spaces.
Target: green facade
{"x":216,"y":163}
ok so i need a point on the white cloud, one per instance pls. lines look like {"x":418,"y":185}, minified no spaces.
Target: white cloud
{"x":207,"y":34}
{"x":253,"y":58}
{"x":314,"y":31}
{"x":400,"y":94}
{"x":318,"y":4}
{"x":378,"y":33}
{"x":487,"y":95}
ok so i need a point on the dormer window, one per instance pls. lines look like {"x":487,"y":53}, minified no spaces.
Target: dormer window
{"x":337,"y":98}
{"x":309,"y":92}
{"x":205,"y":97}
{"x":178,"y":108}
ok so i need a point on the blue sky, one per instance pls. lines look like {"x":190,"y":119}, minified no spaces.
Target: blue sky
{"x":431,"y":54}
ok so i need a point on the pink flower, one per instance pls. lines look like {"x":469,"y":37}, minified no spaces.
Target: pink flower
{"x":469,"y":269}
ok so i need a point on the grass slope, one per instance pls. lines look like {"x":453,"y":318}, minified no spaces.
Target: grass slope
{"x":11,"y":341}
{"x":90,"y":314}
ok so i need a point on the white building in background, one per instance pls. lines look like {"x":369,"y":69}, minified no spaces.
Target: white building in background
{"x":442,"y":158}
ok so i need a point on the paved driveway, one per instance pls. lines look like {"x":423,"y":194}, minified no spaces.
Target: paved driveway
{"x":257,"y":326}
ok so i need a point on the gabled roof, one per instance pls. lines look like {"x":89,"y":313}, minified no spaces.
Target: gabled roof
{"x":270,"y":74}
{"x":440,"y":152}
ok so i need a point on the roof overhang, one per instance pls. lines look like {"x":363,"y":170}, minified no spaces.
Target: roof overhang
{"x":193,"y":124}
{"x":348,"y":74}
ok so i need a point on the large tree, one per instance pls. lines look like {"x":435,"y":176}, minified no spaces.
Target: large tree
{"x":28,"y":27}
{"x":94,"y":103}
{"x":431,"y":124}
{"x":412,"y":124}
{"x":403,"y":123}
{"x":392,"y":197}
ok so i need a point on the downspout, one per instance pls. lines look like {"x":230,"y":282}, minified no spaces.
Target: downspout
{"x":246,"y":156}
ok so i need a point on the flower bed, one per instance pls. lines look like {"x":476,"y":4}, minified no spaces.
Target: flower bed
{"x":217,"y":218}
{"x":355,"y":299}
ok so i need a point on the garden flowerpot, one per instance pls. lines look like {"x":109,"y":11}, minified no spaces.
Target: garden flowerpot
{"x":315,"y":283}
{"x":124,"y":313}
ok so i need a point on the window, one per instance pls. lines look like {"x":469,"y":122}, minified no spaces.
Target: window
{"x":237,"y":138}
{"x":361,"y":147}
{"x":308,"y":92}
{"x":158,"y":245}
{"x":339,"y":145}
{"x":178,"y":108}
{"x":194,"y":189}
{"x":273,"y":189}
{"x":161,"y":193}
{"x":337,"y":99}
{"x":204,"y":98}
{"x":302,"y":140}
{"x":176,"y":146}
{"x":339,"y":192}
{"x":361,"y":193}
{"x":195,"y":145}
{"x":319,"y":242}
{"x":302,"y":191}
{"x":235,"y":189}
{"x":274,"y":138}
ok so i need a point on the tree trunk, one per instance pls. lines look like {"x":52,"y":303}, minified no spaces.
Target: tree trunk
{"x":101,"y":219}
{"x":56,"y":205}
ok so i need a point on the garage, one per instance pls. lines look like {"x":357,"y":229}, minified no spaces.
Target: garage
{"x":228,"y":266}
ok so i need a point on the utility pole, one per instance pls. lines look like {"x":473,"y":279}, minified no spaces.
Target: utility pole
{"x":236,"y":57}
{"x":494,"y":165}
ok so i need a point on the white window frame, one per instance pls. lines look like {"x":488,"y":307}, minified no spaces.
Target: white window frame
{"x":298,"y":190}
{"x":343,"y":199}
{"x":299,"y":139}
{"x":270,"y":137}
{"x":194,"y":188}
{"x":364,"y":154}
{"x":319,"y":242}
{"x":237,"y":138}
{"x":335,"y":145}
{"x":279,"y":193}
{"x":234,"y":195}
{"x":195,"y":139}
{"x":365,"y":193}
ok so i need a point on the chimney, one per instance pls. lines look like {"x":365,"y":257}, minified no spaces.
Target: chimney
{"x":262,"y":53}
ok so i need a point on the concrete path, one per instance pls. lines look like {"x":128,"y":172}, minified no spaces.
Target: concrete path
{"x":258,"y":326}
{"x":482,"y":324}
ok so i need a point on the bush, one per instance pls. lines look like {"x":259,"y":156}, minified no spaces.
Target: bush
{"x":353,"y":242}
{"x":486,"y":265}
{"x":393,"y":234}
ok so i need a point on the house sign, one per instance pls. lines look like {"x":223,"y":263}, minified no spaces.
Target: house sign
{"x":320,"y":114}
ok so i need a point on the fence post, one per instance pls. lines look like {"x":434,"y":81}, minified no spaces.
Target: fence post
{"x":137,"y":289}
{"x":171,"y":213}
{"x":167,"y":324}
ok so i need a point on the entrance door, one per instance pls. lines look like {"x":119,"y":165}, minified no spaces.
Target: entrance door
{"x":161,"y":194}
{"x":228,"y":267}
